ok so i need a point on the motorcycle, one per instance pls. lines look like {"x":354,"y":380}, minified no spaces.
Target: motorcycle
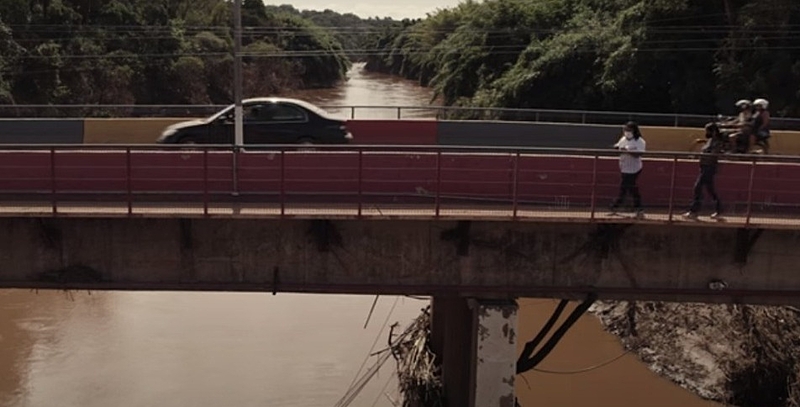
{"x":742,"y":136}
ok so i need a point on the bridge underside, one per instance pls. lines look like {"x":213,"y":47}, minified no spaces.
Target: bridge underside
{"x":479,"y":259}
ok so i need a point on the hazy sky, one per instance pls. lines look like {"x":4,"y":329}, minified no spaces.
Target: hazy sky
{"x":397,"y":9}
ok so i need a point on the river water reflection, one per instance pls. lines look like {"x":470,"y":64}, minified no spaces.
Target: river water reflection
{"x":125,"y":349}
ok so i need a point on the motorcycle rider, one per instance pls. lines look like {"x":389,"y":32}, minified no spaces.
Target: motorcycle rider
{"x":761,"y":120}
{"x":743,"y":123}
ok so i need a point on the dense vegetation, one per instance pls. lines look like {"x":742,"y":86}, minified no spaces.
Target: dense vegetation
{"x":637,"y":55}
{"x":156,"y":52}
{"x":354,"y":33}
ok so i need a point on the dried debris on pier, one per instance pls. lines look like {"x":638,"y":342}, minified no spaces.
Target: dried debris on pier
{"x":417,"y":372}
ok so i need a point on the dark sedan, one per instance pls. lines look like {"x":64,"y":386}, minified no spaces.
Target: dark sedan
{"x":265,"y":121}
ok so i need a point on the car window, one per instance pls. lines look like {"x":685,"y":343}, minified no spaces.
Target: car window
{"x":257,"y":112}
{"x":287,"y":113}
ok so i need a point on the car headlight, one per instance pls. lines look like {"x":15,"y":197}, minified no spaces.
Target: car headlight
{"x":169,"y":132}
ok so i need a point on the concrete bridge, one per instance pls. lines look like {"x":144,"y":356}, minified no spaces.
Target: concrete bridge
{"x":474,"y":228}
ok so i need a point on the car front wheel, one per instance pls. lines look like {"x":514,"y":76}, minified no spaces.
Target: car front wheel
{"x":306,"y":143}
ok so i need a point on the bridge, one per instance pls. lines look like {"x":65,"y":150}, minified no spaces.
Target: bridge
{"x":474,"y":227}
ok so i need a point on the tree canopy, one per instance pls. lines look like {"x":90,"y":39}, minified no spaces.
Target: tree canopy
{"x":156,"y":52}
{"x":693,"y":56}
{"x":352,"y":31}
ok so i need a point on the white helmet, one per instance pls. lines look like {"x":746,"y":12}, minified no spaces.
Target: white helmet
{"x":764,"y":103}
{"x":743,"y":102}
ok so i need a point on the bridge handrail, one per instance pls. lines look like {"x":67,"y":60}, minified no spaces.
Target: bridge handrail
{"x":355,"y":148}
{"x":524,"y":114}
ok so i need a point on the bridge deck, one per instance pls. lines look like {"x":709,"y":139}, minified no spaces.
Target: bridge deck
{"x":382,"y":212}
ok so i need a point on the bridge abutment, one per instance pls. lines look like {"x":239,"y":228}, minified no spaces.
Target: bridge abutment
{"x":476,"y":343}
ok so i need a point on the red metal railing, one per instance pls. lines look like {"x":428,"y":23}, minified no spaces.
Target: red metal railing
{"x":370,"y":180}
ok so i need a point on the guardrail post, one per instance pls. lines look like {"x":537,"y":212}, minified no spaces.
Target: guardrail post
{"x":352,"y":112}
{"x":750,"y":193}
{"x":438,"y":181}
{"x":594,"y":186}
{"x":398,"y":112}
{"x":205,"y":182}
{"x":672,"y":186}
{"x":583,"y":118}
{"x":283,"y":182}
{"x":235,"y":170}
{"x":128,"y":176}
{"x":676,"y":120}
{"x":53,"y":180}
{"x":515,"y":191}
{"x":360,"y":179}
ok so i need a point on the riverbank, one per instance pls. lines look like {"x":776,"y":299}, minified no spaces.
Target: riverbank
{"x":737,"y":354}
{"x":591,"y":367}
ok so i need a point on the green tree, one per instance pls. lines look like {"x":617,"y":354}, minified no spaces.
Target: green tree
{"x":155,"y":52}
{"x":652,"y":55}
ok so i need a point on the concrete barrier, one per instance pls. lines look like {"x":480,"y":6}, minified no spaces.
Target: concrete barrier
{"x":125,"y":131}
{"x":526,"y":134}
{"x":41,"y":131}
{"x":420,"y":132}
{"x":682,"y":139}
{"x":405,"y":132}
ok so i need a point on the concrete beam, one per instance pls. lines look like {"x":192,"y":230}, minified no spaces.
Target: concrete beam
{"x":485,"y":260}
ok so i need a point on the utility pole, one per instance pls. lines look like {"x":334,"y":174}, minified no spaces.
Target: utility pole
{"x":237,"y":74}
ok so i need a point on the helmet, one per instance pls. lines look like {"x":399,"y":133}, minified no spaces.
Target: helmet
{"x":764,"y":103}
{"x":743,"y":102}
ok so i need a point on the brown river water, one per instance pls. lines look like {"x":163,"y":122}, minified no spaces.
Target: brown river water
{"x":137,"y":349}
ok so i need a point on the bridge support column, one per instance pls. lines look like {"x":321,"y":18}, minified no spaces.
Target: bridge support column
{"x":476,"y":343}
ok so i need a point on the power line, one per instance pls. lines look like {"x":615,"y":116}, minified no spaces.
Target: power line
{"x":145,"y":29}
{"x":584,"y":370}
{"x":487,"y":49}
{"x":375,"y":342}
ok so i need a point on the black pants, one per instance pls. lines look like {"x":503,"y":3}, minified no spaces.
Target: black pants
{"x":705,"y":180}
{"x":628,"y":186}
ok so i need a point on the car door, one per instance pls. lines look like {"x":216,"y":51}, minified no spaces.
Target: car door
{"x":256,"y":122}
{"x":221,"y":130}
{"x":283,"y":124}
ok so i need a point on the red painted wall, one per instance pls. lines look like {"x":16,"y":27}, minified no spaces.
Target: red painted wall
{"x":397,"y":132}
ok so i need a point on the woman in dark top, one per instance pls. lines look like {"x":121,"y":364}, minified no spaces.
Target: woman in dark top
{"x":709,"y":161}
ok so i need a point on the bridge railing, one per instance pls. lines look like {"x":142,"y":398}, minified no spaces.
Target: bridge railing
{"x":379,"y":181}
{"x":389,"y":112}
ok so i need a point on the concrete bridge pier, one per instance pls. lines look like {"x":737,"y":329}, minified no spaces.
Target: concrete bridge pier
{"x":476,"y":345}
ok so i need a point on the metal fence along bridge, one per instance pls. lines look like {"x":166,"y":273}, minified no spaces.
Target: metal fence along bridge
{"x":411,"y":182}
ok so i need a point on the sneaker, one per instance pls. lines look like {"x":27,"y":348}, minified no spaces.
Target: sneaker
{"x":690,"y":215}
{"x":716,"y":215}
{"x":639,"y":214}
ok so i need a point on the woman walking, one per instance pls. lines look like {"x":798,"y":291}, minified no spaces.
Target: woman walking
{"x":632,"y":145}
{"x":715,"y":144}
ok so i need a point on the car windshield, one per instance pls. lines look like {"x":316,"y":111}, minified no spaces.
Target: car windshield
{"x":219,"y":114}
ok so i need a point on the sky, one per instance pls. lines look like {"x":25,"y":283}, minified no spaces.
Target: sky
{"x":375,"y":8}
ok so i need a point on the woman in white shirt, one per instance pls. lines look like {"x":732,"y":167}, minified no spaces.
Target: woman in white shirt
{"x":632,"y":145}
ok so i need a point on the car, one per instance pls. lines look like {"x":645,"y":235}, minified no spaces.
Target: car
{"x":265,"y":121}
